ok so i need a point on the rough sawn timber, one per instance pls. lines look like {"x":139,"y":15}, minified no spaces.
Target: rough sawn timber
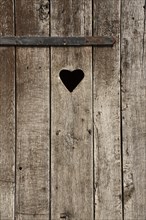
{"x":106,"y":71}
{"x":133,"y":67}
{"x":33,"y":142}
{"x":7,"y":115}
{"x":71,"y":116}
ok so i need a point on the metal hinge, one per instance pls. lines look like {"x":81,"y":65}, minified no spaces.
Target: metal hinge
{"x":56,"y":41}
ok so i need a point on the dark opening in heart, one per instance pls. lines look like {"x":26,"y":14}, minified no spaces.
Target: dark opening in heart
{"x":71,"y":78}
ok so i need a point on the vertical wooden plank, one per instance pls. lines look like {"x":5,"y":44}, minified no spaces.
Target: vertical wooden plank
{"x":134,"y":105}
{"x":32,"y":133}
{"x":7,"y":115}
{"x":32,"y":17}
{"x":106,"y":68}
{"x":32,"y":198}
{"x":71,"y":121}
{"x":7,"y":133}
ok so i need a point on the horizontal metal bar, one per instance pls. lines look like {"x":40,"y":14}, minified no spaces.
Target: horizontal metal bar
{"x":56,"y":41}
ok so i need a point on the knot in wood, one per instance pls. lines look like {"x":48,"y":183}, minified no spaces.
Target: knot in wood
{"x":44,"y":10}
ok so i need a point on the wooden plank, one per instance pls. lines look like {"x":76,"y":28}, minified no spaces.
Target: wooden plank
{"x":7,"y":115}
{"x":32,"y":17}
{"x":32,"y":195}
{"x":7,"y":132}
{"x":6,"y":18}
{"x":134,"y":106}
{"x":32,"y":132}
{"x":106,"y":69}
{"x":71,"y":121}
{"x":32,"y":217}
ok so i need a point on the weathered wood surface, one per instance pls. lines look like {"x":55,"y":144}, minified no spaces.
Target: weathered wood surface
{"x":106,"y":70}
{"x":32,"y":133}
{"x":134,"y":106}
{"x":74,"y":141}
{"x":32,"y":17}
{"x":7,"y":115}
{"x":71,"y":116}
{"x":7,"y":133}
{"x":32,"y":186}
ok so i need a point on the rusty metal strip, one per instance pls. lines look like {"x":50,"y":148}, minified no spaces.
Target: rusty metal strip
{"x":56,"y":41}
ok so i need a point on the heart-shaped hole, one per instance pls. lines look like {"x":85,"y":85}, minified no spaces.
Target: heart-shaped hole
{"x":71,"y":78}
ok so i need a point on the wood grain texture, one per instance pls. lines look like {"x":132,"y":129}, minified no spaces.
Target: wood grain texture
{"x":32,"y":133}
{"x":71,"y":121}
{"x":32,"y":217}
{"x":106,"y":70}
{"x":32,"y":17}
{"x":7,"y":133}
{"x":6,"y":17}
{"x":7,"y":115}
{"x":33,"y":144}
{"x":71,"y":18}
{"x":134,"y":106}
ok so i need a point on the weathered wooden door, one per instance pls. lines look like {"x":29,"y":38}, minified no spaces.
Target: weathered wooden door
{"x":73,"y":155}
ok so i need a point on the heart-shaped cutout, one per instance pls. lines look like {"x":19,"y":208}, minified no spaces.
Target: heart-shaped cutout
{"x":71,"y":78}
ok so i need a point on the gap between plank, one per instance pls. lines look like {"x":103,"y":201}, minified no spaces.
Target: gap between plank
{"x":93,"y":112}
{"x":50,"y":182}
{"x":14,"y":8}
{"x":121,"y":115}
